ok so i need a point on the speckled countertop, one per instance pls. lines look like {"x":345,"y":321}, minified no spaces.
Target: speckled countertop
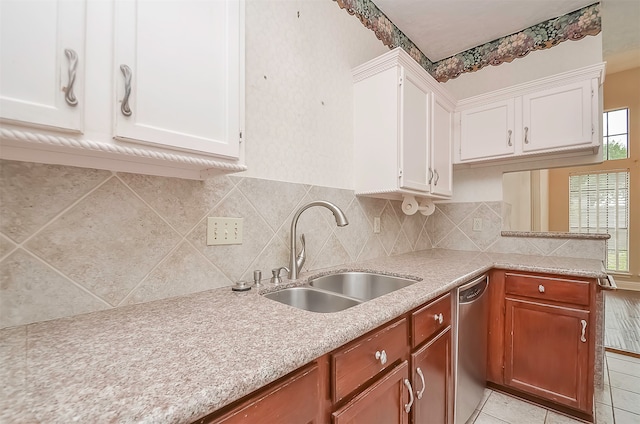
{"x":175,"y":360}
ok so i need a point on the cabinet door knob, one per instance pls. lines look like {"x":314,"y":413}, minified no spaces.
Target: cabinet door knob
{"x":439,"y":318}
{"x":381,"y":356}
{"x":69,"y":96}
{"x":124,"y":108}
{"x":541,"y":288}
{"x":583,"y":337}
{"x":421,"y":391}
{"x":526,"y":135}
{"x":509,"y":138}
{"x":407,"y":407}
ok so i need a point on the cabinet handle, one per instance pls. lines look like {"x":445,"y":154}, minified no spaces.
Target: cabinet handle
{"x":69,"y":96}
{"x":439,"y":318}
{"x":541,"y":288}
{"x":509,"y":138}
{"x":526,"y":135}
{"x":430,"y":175}
{"x":382,"y":357}
{"x":407,"y":407}
{"x":583,"y":338}
{"x":124,"y":108}
{"x":421,"y":392}
{"x":437,"y":177}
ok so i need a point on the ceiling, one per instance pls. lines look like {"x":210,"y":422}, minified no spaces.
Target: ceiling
{"x":443,"y":28}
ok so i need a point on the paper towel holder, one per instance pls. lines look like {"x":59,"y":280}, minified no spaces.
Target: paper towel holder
{"x":410,"y":206}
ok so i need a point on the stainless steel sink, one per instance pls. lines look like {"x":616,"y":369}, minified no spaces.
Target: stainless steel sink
{"x":360,"y":285}
{"x":312,"y":300}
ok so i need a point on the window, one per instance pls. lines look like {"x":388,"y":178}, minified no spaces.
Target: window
{"x":599,"y":203}
{"x":615,"y":132}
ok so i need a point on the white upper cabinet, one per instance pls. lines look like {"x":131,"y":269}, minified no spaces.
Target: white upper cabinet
{"x":556,"y":115}
{"x":402,"y":130}
{"x":488,"y":131}
{"x":177,"y":74}
{"x":559,"y":117}
{"x":145,"y":86}
{"x":42,"y":48}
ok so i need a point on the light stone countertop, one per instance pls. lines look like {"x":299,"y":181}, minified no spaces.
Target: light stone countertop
{"x":176,"y":360}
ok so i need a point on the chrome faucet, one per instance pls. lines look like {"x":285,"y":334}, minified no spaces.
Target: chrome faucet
{"x":295,"y":263}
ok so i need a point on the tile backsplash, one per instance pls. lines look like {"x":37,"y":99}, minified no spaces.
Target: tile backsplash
{"x":75,"y":240}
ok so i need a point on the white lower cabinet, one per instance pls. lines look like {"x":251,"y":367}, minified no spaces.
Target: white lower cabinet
{"x":554,"y":115}
{"x":160,"y":89}
{"x":402,"y":128}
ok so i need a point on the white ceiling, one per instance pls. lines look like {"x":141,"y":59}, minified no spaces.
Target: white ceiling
{"x":442,"y":28}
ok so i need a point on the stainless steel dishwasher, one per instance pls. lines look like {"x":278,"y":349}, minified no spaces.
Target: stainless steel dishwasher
{"x":471,"y":324}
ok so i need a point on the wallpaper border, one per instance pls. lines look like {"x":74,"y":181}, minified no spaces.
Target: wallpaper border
{"x":572,"y":26}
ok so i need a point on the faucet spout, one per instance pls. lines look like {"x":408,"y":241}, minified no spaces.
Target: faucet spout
{"x":295,"y":263}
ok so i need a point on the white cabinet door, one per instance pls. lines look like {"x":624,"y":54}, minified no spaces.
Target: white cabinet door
{"x":42,"y":62}
{"x":183,"y":74}
{"x":558,"y":117}
{"x":441,"y":139}
{"x":488,"y":131}
{"x":414,"y":137}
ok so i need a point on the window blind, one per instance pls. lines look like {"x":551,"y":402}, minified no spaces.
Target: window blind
{"x":599,"y":203}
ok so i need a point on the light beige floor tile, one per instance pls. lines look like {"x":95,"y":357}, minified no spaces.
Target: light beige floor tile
{"x":623,"y":399}
{"x":604,"y":414}
{"x":624,"y":367}
{"x":625,"y":417}
{"x":474,"y":416}
{"x":627,"y":358}
{"x":603,"y":395}
{"x":488,"y":419}
{"x":513,"y":410}
{"x":555,"y":418}
{"x":624,"y":381}
{"x":485,"y":396}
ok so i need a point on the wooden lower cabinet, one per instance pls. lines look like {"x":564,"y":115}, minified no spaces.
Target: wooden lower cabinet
{"x":432,"y":374}
{"x":547,"y":351}
{"x":382,"y":402}
{"x":542,"y":338}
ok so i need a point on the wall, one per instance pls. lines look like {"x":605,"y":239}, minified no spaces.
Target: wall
{"x":299,"y":102}
{"x":621,"y":90}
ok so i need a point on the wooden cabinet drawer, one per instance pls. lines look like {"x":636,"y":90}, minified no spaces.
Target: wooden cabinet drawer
{"x":294,"y":400}
{"x":359,"y":361}
{"x":548,"y":288}
{"x":426,"y":322}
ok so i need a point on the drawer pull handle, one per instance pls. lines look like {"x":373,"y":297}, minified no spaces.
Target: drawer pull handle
{"x":509,"y":139}
{"x":126,"y":72}
{"x":583,"y":339}
{"x":430,"y":176}
{"x":526,"y":135}
{"x":421,"y":391}
{"x":70,"y":97}
{"x":435,"y":183}
{"x":407,"y":407}
{"x":541,"y":288}
{"x":439,"y":318}
{"x":381,"y":356}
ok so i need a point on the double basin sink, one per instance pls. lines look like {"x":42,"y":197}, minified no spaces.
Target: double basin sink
{"x":336,"y":292}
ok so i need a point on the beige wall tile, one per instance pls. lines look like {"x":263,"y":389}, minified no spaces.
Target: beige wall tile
{"x":332,"y":254}
{"x":275,"y":255}
{"x":389,"y":228}
{"x":355,"y":235}
{"x":183,"y":272}
{"x":403,"y":245}
{"x":31,"y":291}
{"x":458,"y":212}
{"x":491,"y":226}
{"x":107,"y":243}
{"x":457,"y":240}
{"x":412,"y":227}
{"x":6,"y":246}
{"x":371,"y":207}
{"x":439,"y":226}
{"x":181,"y":202}
{"x":32,"y":194}
{"x":372,"y":249}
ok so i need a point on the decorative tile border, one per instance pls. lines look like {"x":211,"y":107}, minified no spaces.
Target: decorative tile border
{"x":572,"y":26}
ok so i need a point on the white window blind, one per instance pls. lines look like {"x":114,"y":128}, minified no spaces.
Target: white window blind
{"x":599,"y":203}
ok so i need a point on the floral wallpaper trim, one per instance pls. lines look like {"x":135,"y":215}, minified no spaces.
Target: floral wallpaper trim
{"x":386,"y":31}
{"x":572,"y":26}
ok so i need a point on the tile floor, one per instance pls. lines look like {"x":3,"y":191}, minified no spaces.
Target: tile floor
{"x":622,"y":320}
{"x":617,"y":403}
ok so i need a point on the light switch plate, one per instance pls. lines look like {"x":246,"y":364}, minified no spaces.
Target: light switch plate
{"x":224,"y":231}
{"x":477,"y":224}
{"x":376,"y":224}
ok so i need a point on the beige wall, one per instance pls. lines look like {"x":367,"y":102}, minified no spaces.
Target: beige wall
{"x":621,"y":90}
